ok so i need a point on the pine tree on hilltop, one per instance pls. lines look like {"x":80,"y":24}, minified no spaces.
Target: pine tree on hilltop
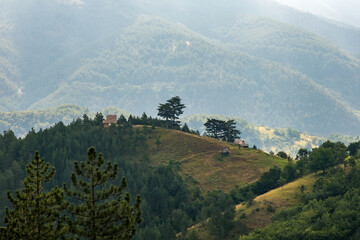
{"x":171,"y":110}
{"x":36,"y":212}
{"x":100,"y":210}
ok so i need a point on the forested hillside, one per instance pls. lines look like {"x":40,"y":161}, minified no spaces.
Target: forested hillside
{"x":8,"y":68}
{"x":329,"y":211}
{"x":154,"y":57}
{"x":300,"y":50}
{"x":158,"y":164}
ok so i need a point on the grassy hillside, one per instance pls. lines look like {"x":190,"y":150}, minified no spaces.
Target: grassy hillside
{"x":258,"y":214}
{"x":263,"y":208}
{"x":201,"y":163}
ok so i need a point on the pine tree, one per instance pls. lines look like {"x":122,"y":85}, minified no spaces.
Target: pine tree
{"x":224,"y":130}
{"x":177,"y":109}
{"x":98,"y":119}
{"x":100,"y":211}
{"x":165,"y":111}
{"x":214,"y":128}
{"x":172,"y":109}
{"x":230,"y":133}
{"x":36,"y":212}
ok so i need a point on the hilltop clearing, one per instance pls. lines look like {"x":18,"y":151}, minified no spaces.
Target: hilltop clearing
{"x":201,"y":163}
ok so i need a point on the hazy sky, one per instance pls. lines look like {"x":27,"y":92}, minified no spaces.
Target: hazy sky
{"x":347,"y":11}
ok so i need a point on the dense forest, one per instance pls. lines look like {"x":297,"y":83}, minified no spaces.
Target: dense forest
{"x":170,"y":206}
{"x":253,"y":58}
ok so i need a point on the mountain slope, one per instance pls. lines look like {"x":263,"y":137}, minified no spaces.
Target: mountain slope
{"x":259,"y":213}
{"x":80,"y":53}
{"x":154,"y":59}
{"x":280,"y":198}
{"x":8,"y":68}
{"x":300,"y":50}
{"x":207,"y":17}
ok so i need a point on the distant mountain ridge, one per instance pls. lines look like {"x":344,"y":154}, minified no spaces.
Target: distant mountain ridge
{"x":210,"y":53}
{"x":154,"y":59}
{"x":300,"y":50}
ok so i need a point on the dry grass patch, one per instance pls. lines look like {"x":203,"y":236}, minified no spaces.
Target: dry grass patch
{"x":201,"y":161}
{"x":259,"y":213}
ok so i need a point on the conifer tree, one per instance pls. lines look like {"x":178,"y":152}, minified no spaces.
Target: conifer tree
{"x":165,"y":111}
{"x":35,"y":213}
{"x":100,"y":210}
{"x":230,"y":133}
{"x":172,"y":109}
{"x":224,"y":130}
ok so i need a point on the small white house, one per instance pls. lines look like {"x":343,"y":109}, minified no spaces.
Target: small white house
{"x":241,"y":143}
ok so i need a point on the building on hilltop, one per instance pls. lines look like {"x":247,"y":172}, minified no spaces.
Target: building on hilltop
{"x":241,"y":143}
{"x":110,"y":119}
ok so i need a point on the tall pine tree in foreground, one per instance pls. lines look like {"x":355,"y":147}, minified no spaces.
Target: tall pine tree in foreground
{"x":100,"y":210}
{"x":35,"y":212}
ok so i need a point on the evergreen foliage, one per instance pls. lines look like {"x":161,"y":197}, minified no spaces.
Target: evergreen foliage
{"x":169,"y":206}
{"x":224,"y":130}
{"x":172,"y":109}
{"x":330,"y":211}
{"x":354,"y":148}
{"x":35,"y":213}
{"x":100,"y":211}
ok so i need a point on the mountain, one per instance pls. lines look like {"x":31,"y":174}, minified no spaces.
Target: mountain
{"x":300,"y":50}
{"x":154,"y":59}
{"x":111,"y":54}
{"x":8,"y":68}
{"x":207,"y":17}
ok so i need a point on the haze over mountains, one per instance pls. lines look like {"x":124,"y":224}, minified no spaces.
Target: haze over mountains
{"x":341,"y":11}
{"x":258,"y":60}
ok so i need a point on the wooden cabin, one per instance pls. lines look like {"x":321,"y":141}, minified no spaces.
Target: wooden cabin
{"x":110,"y":119}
